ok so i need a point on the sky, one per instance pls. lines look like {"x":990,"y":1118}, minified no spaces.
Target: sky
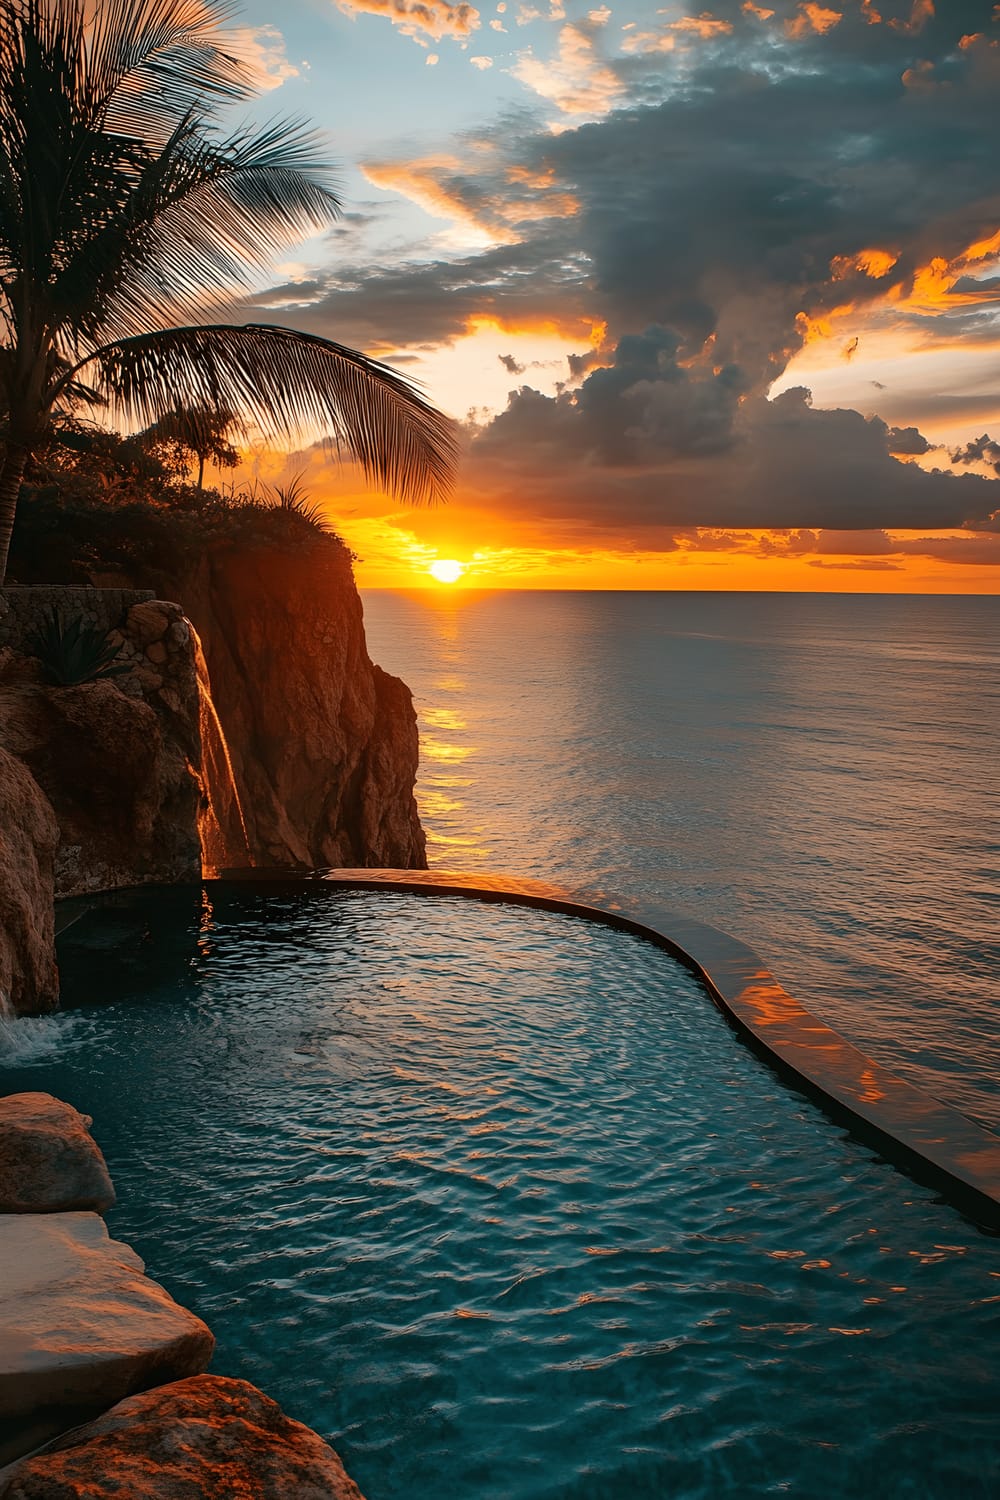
{"x":714,"y":293}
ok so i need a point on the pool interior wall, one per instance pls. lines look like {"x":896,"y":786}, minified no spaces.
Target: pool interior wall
{"x":494,"y":1199}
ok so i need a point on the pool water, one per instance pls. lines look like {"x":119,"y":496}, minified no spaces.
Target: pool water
{"x":496,"y":1201}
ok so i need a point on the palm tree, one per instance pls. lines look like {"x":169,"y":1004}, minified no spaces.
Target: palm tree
{"x":125,"y":206}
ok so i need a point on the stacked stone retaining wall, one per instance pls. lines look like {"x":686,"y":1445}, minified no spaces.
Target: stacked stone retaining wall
{"x":23,"y":607}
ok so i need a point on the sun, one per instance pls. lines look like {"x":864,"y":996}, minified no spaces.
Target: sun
{"x":446,"y":570}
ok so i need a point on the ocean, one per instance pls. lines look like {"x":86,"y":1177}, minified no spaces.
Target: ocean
{"x":817,"y":774}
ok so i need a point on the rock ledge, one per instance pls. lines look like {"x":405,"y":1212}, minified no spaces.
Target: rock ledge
{"x":49,"y":1161}
{"x":204,"y":1437}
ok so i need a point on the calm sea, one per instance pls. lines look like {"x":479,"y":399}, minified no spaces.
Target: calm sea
{"x":817,"y":774}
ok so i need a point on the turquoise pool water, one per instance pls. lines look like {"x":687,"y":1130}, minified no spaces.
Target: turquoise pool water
{"x":495,"y":1200}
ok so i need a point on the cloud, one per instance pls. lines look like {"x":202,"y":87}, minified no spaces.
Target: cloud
{"x":715,"y":206}
{"x":646,"y":444}
{"x":813,"y":17}
{"x":907,"y":441}
{"x":419,"y":18}
{"x":262,"y":48}
{"x":578,"y":81}
{"x":983,"y":450}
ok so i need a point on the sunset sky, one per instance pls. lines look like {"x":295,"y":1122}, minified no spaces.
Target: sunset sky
{"x":623,"y":245}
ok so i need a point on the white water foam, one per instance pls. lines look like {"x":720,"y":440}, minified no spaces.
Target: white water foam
{"x":29,"y":1040}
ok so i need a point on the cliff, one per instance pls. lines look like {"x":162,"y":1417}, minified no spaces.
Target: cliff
{"x":274,"y":740}
{"x":28,"y":833}
{"x":118,"y":759}
{"x":322,"y":743}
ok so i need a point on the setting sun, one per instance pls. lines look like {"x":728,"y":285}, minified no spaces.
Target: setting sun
{"x":446,"y":570}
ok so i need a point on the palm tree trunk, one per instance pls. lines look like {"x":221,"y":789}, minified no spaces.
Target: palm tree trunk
{"x":11,"y":473}
{"x":201,"y":472}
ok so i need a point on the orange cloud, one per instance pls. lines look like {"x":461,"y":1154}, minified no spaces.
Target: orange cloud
{"x":433,"y":184}
{"x":704,"y":25}
{"x":577,"y":80}
{"x":934,"y":284}
{"x":813,"y":18}
{"x":873,"y":263}
{"x":425,"y":183}
{"x":435,"y":18}
{"x":262,"y":50}
{"x":757,"y":10}
{"x":920,"y":14}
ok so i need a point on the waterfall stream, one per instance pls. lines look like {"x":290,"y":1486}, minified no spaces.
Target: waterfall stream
{"x":221,"y":824}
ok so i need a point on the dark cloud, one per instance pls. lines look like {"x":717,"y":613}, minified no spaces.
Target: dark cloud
{"x":736,"y":193}
{"x":907,"y":440}
{"x":511,"y":365}
{"x":982,"y":450}
{"x":680,"y":447}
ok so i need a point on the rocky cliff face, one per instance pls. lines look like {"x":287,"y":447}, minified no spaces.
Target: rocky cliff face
{"x":28,"y":835}
{"x":118,"y":759}
{"x":323,"y":743}
{"x":309,"y":750}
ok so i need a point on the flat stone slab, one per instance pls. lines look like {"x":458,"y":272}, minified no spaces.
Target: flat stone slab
{"x":204,"y":1437}
{"x":81,"y":1325}
{"x":49,"y":1161}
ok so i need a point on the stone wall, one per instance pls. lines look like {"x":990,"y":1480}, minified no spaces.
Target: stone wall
{"x":119,"y":759}
{"x":22,"y":608}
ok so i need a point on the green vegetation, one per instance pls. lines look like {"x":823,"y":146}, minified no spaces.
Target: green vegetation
{"x":74,"y":651}
{"x":126,"y":207}
{"x":97,"y":504}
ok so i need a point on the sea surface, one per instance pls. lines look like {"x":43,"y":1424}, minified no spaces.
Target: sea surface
{"x":817,"y":774}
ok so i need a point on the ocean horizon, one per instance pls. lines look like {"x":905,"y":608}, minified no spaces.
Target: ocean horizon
{"x":817,"y":774}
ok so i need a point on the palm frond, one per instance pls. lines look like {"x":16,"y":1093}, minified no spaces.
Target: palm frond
{"x":200,"y":218}
{"x":152,"y":62}
{"x":288,"y":386}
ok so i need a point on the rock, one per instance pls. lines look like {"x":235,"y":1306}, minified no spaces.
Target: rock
{"x":207,"y":1438}
{"x":49,"y":1161}
{"x":121,"y":778}
{"x":148,"y":622}
{"x":29,"y":980}
{"x":81,"y":1326}
{"x":323,"y":744}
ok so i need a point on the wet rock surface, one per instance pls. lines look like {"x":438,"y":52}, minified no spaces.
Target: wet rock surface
{"x":29,"y":981}
{"x":49,"y":1161}
{"x":204,"y":1437}
{"x":81,"y":1326}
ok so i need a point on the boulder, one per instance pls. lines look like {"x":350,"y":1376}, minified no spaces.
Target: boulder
{"x":194,"y":1440}
{"x":49,"y":1161}
{"x":81,"y":1326}
{"x":29,"y":981}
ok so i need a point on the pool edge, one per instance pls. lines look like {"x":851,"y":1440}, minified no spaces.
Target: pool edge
{"x":933,"y":1142}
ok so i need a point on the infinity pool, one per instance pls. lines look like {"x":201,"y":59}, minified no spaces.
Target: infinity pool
{"x":496,"y":1201}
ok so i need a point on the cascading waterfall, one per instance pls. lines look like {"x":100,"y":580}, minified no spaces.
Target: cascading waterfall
{"x":221,"y":825}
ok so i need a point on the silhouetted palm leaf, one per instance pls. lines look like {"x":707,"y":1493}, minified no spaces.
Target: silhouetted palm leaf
{"x":290,"y":386}
{"x":123,"y":209}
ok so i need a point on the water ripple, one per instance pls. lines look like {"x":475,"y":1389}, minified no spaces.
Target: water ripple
{"x":495,"y":1200}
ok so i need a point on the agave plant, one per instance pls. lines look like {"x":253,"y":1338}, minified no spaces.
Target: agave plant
{"x":75,"y":651}
{"x":126,"y":208}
